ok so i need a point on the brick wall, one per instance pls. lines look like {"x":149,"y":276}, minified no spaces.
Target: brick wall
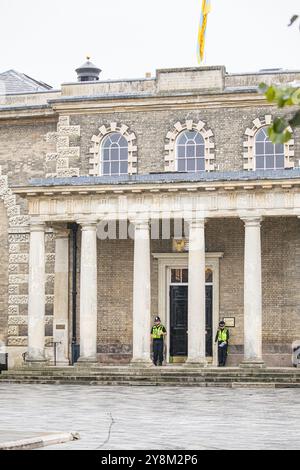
{"x":115,"y":282}
{"x":151,"y":127}
{"x":23,"y":147}
{"x":23,"y":150}
{"x":281,"y":276}
{"x":227,"y":236}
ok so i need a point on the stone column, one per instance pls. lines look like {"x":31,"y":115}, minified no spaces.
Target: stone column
{"x":88,"y":293}
{"x":141,"y":293}
{"x":196,"y":294}
{"x":61,"y":296}
{"x":36,"y":294}
{"x":252,"y":294}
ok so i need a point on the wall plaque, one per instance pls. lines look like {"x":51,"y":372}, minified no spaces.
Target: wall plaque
{"x":229,"y":322}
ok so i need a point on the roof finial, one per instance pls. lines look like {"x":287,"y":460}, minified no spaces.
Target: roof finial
{"x":88,"y":57}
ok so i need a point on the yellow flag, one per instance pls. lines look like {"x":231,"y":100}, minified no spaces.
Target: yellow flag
{"x":206,"y":8}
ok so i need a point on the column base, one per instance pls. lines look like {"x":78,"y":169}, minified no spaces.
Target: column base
{"x":199,"y":362}
{"x":141,"y":363}
{"x":37,"y":363}
{"x":60,"y":364}
{"x":253,"y":364}
{"x":87,"y":361}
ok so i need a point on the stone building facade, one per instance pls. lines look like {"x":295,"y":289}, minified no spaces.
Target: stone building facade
{"x":193,"y":241}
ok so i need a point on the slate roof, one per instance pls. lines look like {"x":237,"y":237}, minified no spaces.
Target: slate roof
{"x":12,"y":82}
{"x":176,"y":177}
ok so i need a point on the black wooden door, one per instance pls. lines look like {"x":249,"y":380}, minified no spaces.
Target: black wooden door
{"x":178,"y":320}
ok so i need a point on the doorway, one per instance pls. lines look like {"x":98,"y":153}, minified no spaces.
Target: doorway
{"x":179,"y":261}
{"x":179,"y":314}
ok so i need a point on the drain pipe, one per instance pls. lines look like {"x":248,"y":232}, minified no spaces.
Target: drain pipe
{"x":75,"y":347}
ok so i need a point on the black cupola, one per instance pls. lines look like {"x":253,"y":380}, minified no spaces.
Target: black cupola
{"x":88,"y":72}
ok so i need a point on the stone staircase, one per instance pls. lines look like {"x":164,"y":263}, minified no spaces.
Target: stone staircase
{"x":152,"y":376}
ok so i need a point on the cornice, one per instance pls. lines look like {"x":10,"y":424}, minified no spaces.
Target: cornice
{"x":156,"y":188}
{"x":26,"y":113}
{"x":86,"y":105}
{"x":101,"y":105}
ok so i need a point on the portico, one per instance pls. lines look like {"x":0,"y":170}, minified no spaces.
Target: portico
{"x":197,"y":204}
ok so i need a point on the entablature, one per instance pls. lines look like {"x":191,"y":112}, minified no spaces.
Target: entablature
{"x":166,"y":201}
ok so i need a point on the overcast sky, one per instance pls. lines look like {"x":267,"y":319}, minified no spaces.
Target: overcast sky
{"x":127,"y":38}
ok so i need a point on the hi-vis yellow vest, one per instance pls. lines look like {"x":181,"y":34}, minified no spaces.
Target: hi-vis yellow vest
{"x":157,"y":332}
{"x":222,"y":335}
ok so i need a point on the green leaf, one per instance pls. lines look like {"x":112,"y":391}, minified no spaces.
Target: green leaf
{"x":279,"y":125}
{"x":286,"y":136}
{"x":278,"y":132}
{"x":272,"y":135}
{"x":296,"y":96}
{"x":281,"y":101}
{"x":270,"y":94}
{"x":263,"y":87}
{"x":279,"y":138}
{"x":295,"y":121}
{"x":293,"y":19}
{"x":275,"y":138}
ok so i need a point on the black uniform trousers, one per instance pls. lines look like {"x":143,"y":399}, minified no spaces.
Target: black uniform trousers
{"x":222,"y":354}
{"x":158,"y":351}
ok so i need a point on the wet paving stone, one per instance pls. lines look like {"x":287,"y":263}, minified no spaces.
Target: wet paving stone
{"x":154,"y":417}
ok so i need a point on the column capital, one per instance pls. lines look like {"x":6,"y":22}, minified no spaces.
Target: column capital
{"x":140,"y":222}
{"x":195,"y":222}
{"x":61,"y":231}
{"x":37,"y":226}
{"x":252,"y":221}
{"x":88,"y":224}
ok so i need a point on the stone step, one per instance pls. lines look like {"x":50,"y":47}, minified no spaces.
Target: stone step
{"x":154,"y":372}
{"x":169,"y":369}
{"x":173,"y":379}
{"x":137,"y":378}
{"x":168,"y":375}
{"x":150,"y":373}
{"x":127,"y":383}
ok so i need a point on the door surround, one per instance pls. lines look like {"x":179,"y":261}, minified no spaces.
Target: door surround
{"x":168,"y":261}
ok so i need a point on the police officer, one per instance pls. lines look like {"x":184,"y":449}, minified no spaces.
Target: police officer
{"x":222,"y":338}
{"x":158,"y":332}
{"x":296,"y":354}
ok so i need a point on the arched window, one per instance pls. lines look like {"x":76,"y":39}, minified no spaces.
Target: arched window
{"x":268,"y":156}
{"x":190,"y":152}
{"x":114,"y":155}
